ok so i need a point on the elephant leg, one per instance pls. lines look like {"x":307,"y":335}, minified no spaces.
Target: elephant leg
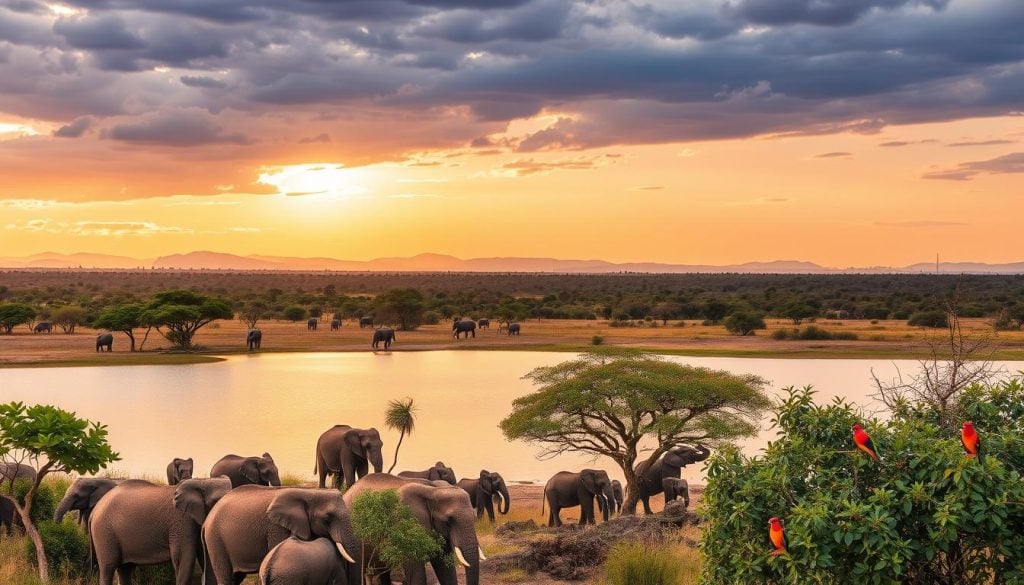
{"x":647,"y":504}
{"x":183,"y":558}
{"x":124,"y":574}
{"x":444,"y":571}
{"x":107,"y":574}
{"x":363,"y":468}
{"x":239,"y":577}
{"x":490,"y":509}
{"x":415,"y":574}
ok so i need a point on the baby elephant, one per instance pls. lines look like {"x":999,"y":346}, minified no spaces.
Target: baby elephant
{"x":676,"y":488}
{"x":301,"y":562}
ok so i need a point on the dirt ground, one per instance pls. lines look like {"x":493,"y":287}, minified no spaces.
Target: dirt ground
{"x":883,"y":339}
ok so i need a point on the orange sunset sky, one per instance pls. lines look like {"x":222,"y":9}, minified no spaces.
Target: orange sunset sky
{"x":845,"y":133}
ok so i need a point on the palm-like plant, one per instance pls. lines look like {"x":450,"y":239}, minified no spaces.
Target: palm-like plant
{"x":400,"y":416}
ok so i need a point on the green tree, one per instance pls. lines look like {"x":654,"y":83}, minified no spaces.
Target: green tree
{"x":14,"y":314}
{"x":390,"y":533}
{"x":744,"y":323}
{"x":179,"y":314}
{"x":53,"y":441}
{"x":126,"y":319}
{"x":665,"y":311}
{"x":294,"y":313}
{"x":619,"y":403}
{"x":715,"y":311}
{"x":406,"y":305}
{"x":401,"y":417}
{"x":936,"y":319}
{"x":797,"y":312}
{"x":252,"y":312}
{"x":69,"y":317}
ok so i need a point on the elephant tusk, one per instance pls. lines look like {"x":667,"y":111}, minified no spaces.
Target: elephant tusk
{"x":344,"y":553}
{"x":461,"y":557}
{"x":483,"y":557}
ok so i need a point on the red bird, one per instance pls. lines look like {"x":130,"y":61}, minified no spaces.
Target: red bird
{"x":864,"y":443}
{"x":969,"y":437}
{"x":777,"y":536}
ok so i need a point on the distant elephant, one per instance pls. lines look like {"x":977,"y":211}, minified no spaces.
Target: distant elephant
{"x":669,"y":465}
{"x":105,"y":340}
{"x":365,"y":322}
{"x":439,"y":471}
{"x":254,"y":339}
{"x":335,"y":324}
{"x":11,"y":472}
{"x":311,"y":324}
{"x":7,"y":515}
{"x":566,"y":490}
{"x":482,"y":492}
{"x":513,"y":329}
{"x":82,"y":496}
{"x":444,"y":510}
{"x":676,"y":488}
{"x":139,"y":523}
{"x":617,"y":493}
{"x":179,"y":469}
{"x":347,"y":453}
{"x":466,"y":326}
{"x":484,"y":323}
{"x":386,"y":334}
{"x":247,"y":470}
{"x":249,"y":521}
{"x":303,"y":562}
{"x":43,"y":326}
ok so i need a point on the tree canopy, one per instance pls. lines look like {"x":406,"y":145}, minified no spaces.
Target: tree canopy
{"x":178,"y":314}
{"x":390,"y":533}
{"x":14,"y":314}
{"x":124,"y":318}
{"x":403,"y":305}
{"x":623,"y":404}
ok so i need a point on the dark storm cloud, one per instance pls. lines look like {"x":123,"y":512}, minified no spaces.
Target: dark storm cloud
{"x":821,"y":12}
{"x":177,"y":128}
{"x":201,"y":81}
{"x":107,"y":31}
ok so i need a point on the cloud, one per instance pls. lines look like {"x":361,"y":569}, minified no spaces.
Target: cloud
{"x":822,"y":12}
{"x":176,"y":128}
{"x":322,"y":137}
{"x":529,"y":166}
{"x":202,"y":81}
{"x":921,"y":224}
{"x":981,"y":143}
{"x":836,"y":154}
{"x":896,"y":143}
{"x":647,"y":188}
{"x":1007,"y":164}
{"x":76,"y":128}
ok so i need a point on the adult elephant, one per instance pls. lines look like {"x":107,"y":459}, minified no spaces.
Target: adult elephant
{"x":82,"y":496}
{"x":303,"y":562}
{"x":179,"y":469}
{"x":139,"y":523}
{"x":311,"y":323}
{"x":676,"y":488}
{"x":484,"y":323}
{"x":335,"y":324}
{"x":617,"y":496}
{"x":670,"y":464}
{"x":567,"y":489}
{"x":365,"y":322}
{"x":250,"y":521}
{"x":439,"y":471}
{"x":105,"y":340}
{"x":463,"y":326}
{"x":11,"y":472}
{"x":444,"y":510}
{"x":483,"y":490}
{"x":347,"y":453}
{"x":513,"y":329}
{"x":7,"y":516}
{"x":385,"y":334}
{"x":254,"y":339}
{"x":247,"y":470}
{"x":43,"y":326}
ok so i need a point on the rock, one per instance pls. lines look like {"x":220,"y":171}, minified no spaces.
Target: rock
{"x":515,"y":527}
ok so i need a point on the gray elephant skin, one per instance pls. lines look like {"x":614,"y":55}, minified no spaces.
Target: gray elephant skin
{"x":179,"y":469}
{"x":618,"y":496}
{"x":365,"y":322}
{"x":311,"y":324}
{"x":251,"y":520}
{"x":676,"y":488}
{"x":567,"y":489}
{"x":484,"y":323}
{"x":513,"y":329}
{"x":335,"y":324}
{"x":83,"y":496}
{"x":483,"y":490}
{"x":669,"y":465}
{"x":385,"y":335}
{"x":11,"y":472}
{"x":105,"y":340}
{"x":443,"y":509}
{"x":43,"y":326}
{"x":139,"y":523}
{"x":465,"y":326}
{"x":254,"y":339}
{"x":247,"y":470}
{"x":302,"y":562}
{"x":347,"y":453}
{"x":439,"y":472}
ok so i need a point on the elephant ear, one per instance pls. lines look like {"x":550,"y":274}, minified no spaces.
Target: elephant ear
{"x":484,"y":473}
{"x":434,"y":474}
{"x":189,"y":500}
{"x":290,"y":510}
{"x":268,"y":457}
{"x":250,"y":470}
{"x":96,"y":491}
{"x":589,"y":481}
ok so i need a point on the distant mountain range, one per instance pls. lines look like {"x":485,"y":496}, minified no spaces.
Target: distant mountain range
{"x":443,"y":263}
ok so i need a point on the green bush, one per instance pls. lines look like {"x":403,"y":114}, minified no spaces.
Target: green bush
{"x":935,"y":319}
{"x":45,"y":502}
{"x":845,"y":336}
{"x":781,"y":334}
{"x":596,"y":340}
{"x":66,"y":546}
{"x":636,"y":563}
{"x":294,"y":313}
{"x":744,"y":323}
{"x":814,"y":333}
{"x":431,"y":318}
{"x":926,"y":514}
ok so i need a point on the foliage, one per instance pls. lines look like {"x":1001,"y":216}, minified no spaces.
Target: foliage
{"x":69,"y":317}
{"x":390,"y":533}
{"x":637,"y":563}
{"x":124,"y":318}
{"x":744,"y":323}
{"x":400,"y":416}
{"x":608,"y":402}
{"x":44,"y":504}
{"x":179,"y":314}
{"x":252,"y":312}
{"x":66,"y":546}
{"x":14,"y":314}
{"x":404,"y":306}
{"x":798,"y":311}
{"x":936,"y":319}
{"x":926,"y":514}
{"x":597,"y":340}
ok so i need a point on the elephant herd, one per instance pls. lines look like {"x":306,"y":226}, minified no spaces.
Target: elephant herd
{"x":465,"y":328}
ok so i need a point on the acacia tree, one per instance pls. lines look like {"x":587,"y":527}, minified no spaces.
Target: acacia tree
{"x":69,"y":317}
{"x":179,"y":314}
{"x":126,"y":319}
{"x":51,"y":440}
{"x":250,"y":313}
{"x":14,"y":314}
{"x":623,"y":404}
{"x":405,"y":305}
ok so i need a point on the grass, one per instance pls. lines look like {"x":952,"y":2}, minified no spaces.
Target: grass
{"x":639,"y":563}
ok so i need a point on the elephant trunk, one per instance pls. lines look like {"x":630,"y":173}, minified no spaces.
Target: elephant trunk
{"x":349,"y":549}
{"x":63,"y":508}
{"x":467,"y":549}
{"x":377,"y":460}
{"x":506,"y":500}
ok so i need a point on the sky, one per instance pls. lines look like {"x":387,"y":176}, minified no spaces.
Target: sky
{"x":843,"y":132}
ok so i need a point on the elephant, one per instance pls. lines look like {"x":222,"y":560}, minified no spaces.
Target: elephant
{"x":311,"y":324}
{"x":484,"y":323}
{"x":467,"y":326}
{"x":483,"y":490}
{"x":105,"y":340}
{"x":7,"y":515}
{"x":513,"y":329}
{"x":346,"y":453}
{"x":335,"y":324}
{"x":179,"y":469}
{"x":438,"y":472}
{"x":43,"y":326}
{"x":83,"y":495}
{"x":11,"y":472}
{"x":669,"y":465}
{"x":251,"y":520}
{"x":139,"y":523}
{"x":617,"y":493}
{"x":442,"y":509}
{"x":365,"y":322}
{"x":386,"y":334}
{"x":675,"y":488}
{"x":254,"y":339}
{"x":303,"y":562}
{"x":566,"y":490}
{"x":247,"y":470}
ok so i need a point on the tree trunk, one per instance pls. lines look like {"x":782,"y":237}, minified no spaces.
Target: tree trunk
{"x":37,"y":540}
{"x":632,"y":492}
{"x":397,"y":447}
{"x":131,"y":337}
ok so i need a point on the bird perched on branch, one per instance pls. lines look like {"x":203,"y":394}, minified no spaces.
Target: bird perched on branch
{"x":864,"y":443}
{"x":777,"y":535}
{"x":970,"y":439}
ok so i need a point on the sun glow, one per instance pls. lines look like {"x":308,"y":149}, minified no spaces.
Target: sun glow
{"x":331,"y":180}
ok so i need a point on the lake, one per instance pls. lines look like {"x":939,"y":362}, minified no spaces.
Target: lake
{"x":281,"y":403}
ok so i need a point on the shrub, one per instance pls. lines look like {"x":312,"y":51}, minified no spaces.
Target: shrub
{"x":66,"y":546}
{"x":744,"y":323}
{"x":44,"y":504}
{"x":390,"y":531}
{"x":935,"y":319}
{"x":294,"y":313}
{"x":431,"y":318}
{"x":814,"y":333}
{"x":781,"y":334}
{"x":596,"y":340}
{"x":636,"y":563}
{"x":845,"y":335}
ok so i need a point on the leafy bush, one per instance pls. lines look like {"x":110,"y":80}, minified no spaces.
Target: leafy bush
{"x":926,"y":514}
{"x":44,"y":504}
{"x":781,"y":334}
{"x":744,"y":323}
{"x":814,"y":333}
{"x":596,"y":340}
{"x":294,"y":313}
{"x":636,"y":563}
{"x":935,"y":319}
{"x":389,"y":530}
{"x":66,"y":546}
{"x":845,"y":336}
